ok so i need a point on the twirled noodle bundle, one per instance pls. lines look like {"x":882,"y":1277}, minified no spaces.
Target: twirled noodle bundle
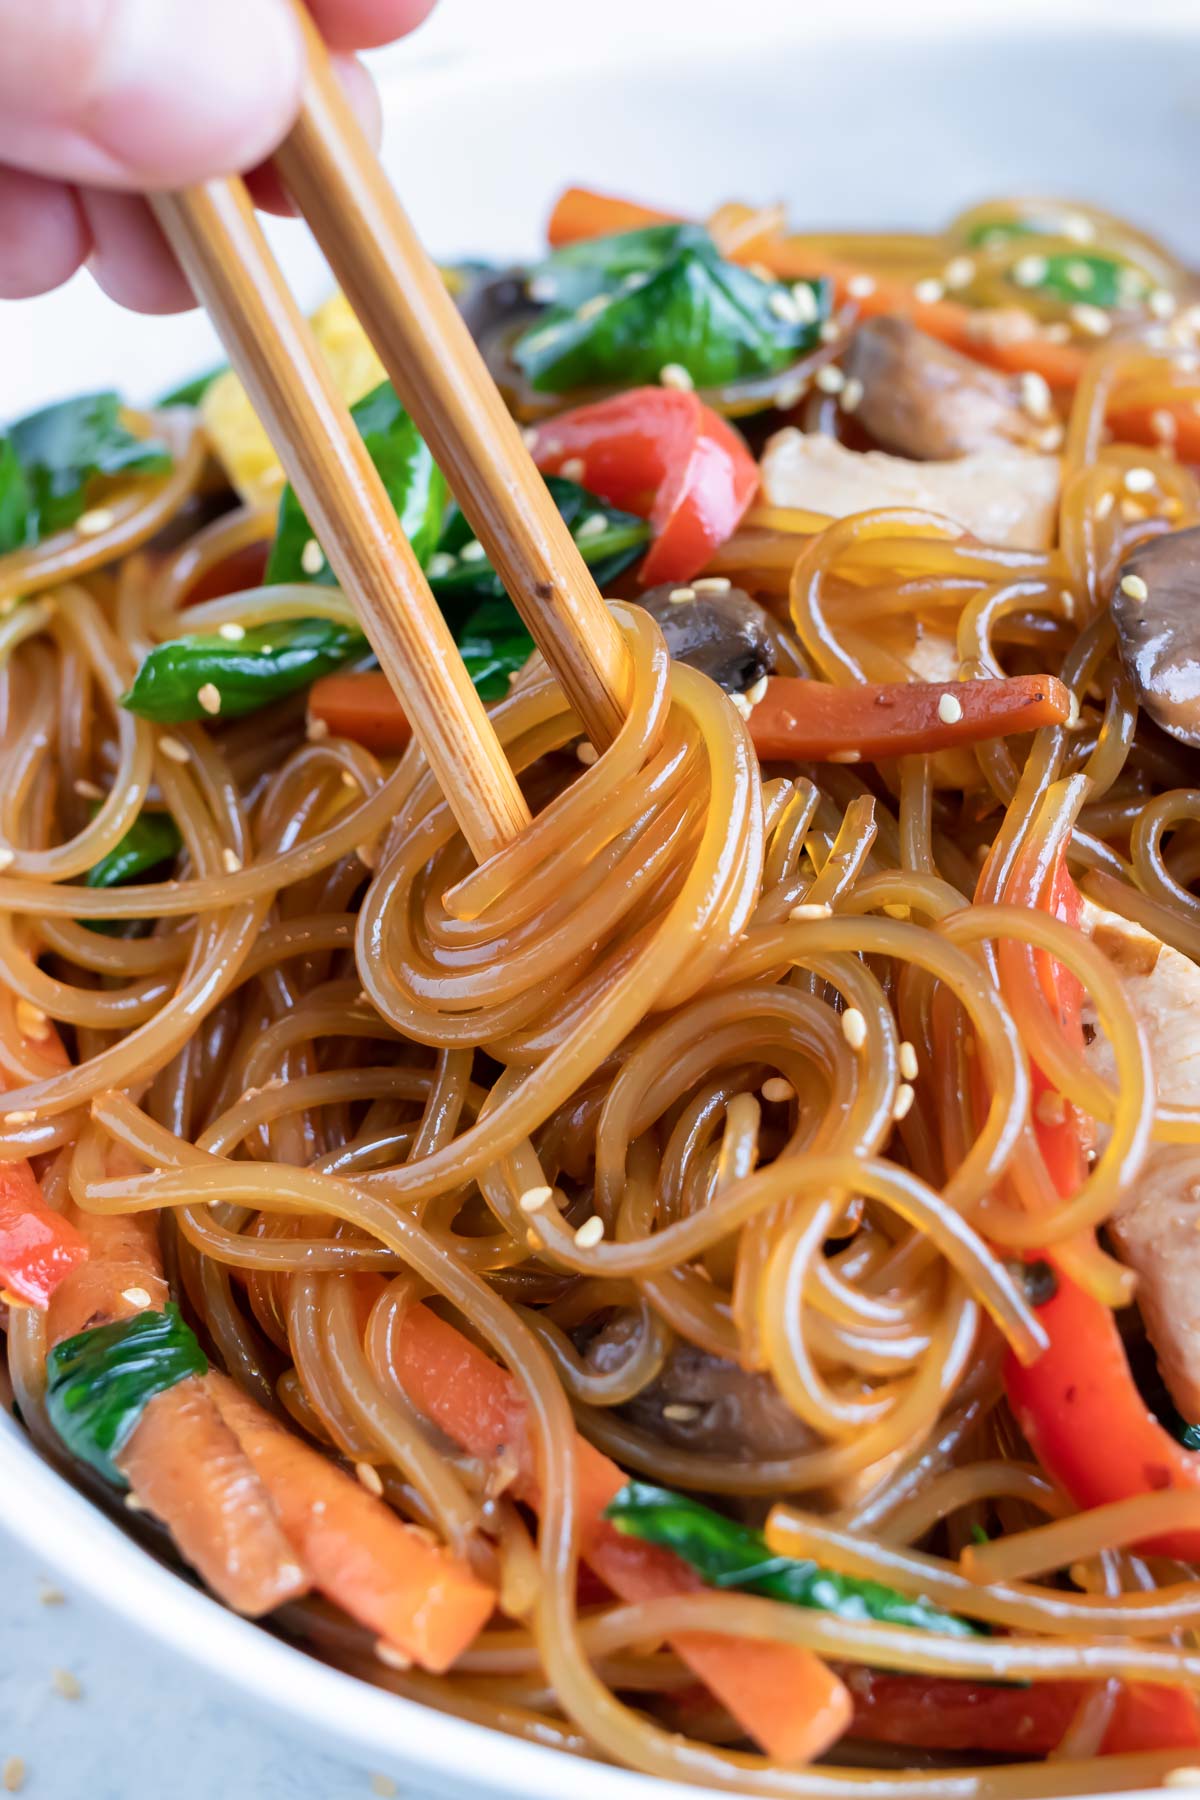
{"x":344,"y":1055}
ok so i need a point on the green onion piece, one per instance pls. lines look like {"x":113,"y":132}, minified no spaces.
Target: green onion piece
{"x":151,"y":840}
{"x":727,"y":1555}
{"x":99,"y":1382}
{"x":50,"y":459}
{"x":271,"y":661}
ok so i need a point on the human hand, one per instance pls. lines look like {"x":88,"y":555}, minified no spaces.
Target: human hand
{"x":101,"y":100}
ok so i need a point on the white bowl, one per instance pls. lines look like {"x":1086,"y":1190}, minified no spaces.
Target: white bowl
{"x":853,"y":114}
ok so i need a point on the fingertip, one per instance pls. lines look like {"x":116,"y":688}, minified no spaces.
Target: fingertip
{"x":130,"y":259}
{"x":363,"y":24}
{"x":43,"y":234}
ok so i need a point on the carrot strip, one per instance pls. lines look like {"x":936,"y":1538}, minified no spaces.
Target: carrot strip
{"x":815,"y":721}
{"x":360,"y":705}
{"x":582,"y":213}
{"x":782,"y":1696}
{"x":39,"y":1248}
{"x":182,"y":1461}
{"x":388,"y":1575}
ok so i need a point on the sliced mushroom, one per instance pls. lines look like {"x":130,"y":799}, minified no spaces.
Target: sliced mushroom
{"x":923,"y":400}
{"x":704,"y":1404}
{"x":727,"y":636}
{"x":495,"y":300}
{"x":1156,"y":609}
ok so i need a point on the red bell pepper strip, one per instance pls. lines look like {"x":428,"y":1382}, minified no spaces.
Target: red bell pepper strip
{"x":38,"y":1247}
{"x":663,"y":454}
{"x":1078,"y":1404}
{"x":922,"y":1713}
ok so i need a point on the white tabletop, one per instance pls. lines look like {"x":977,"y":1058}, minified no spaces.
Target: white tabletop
{"x":138,"y":1717}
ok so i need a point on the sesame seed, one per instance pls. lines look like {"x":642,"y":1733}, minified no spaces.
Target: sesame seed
{"x":777,"y":1090}
{"x":233,"y":633}
{"x":590,"y":1233}
{"x":132,"y":1503}
{"x":1080,"y":274}
{"x":92,"y":523}
{"x":472,"y":551}
{"x":1135,"y":587}
{"x":1161,"y":303}
{"x":902,"y":1104}
{"x":1066,"y":600}
{"x":830,"y":379}
{"x":678,"y":595}
{"x":762,"y":273}
{"x":1030,"y":270}
{"x":209,"y":697}
{"x":440,"y":563}
{"x":929,"y":291}
{"x":811,"y":909}
{"x":52,"y":1596}
{"x":586,"y":753}
{"x":1164,"y":422}
{"x":1079,"y":228}
{"x":680,"y":1412}
{"x":317,"y":729}
{"x":1050,"y":1108}
{"x":1075,"y":716}
{"x":390,"y":1656}
{"x":1059,"y":332}
{"x":1134,"y":511}
{"x":1092,"y":320}
{"x":542,"y":288}
{"x":756,"y":691}
{"x":860,"y":286}
{"x":65,"y":1684}
{"x":529,"y":437}
{"x":13,"y":1774}
{"x":7,"y":857}
{"x":637,"y":278}
{"x":852,"y":394}
{"x":572,"y":469}
{"x":21,"y":1116}
{"x":854,"y":1028}
{"x":384,"y":1787}
{"x":231,"y":860}
{"x":783,"y":304}
{"x":1035,"y":395}
{"x":1181,"y":1777}
{"x":173,"y":748}
{"x":312,"y":557}
{"x":908,"y":1060}
{"x":534,"y":1198}
{"x":1105,"y":504}
{"x":830,"y":331}
{"x":32,"y":1022}
{"x":790,"y":393}
{"x":1051,"y":438}
{"x":844,"y":756}
{"x":370,"y":1479}
{"x":88,"y":790}
{"x":674,"y":375}
{"x":595,"y":525}
{"x":958,"y":273}
{"x":592,"y":306}
{"x":897,"y":910}
{"x":807,"y":309}
{"x":712,"y":584}
{"x":949,"y":709}
{"x":740,"y":705}
{"x":136,"y":1296}
{"x":1139,"y":481}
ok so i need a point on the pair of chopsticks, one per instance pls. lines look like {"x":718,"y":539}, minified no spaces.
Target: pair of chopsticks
{"x":339,"y":186}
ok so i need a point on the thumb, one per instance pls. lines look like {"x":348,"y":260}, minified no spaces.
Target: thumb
{"x":145,"y":93}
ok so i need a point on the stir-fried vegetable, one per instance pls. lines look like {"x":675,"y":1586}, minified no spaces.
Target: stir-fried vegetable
{"x":207,"y":675}
{"x":99,"y":1382}
{"x":414,"y":484}
{"x":728,"y":1555}
{"x":151,"y":840}
{"x":50,"y":460}
{"x":609,"y":540}
{"x":784,"y":1697}
{"x":627,"y":307}
{"x":192,"y":391}
{"x":38,"y":1247}
{"x":813,"y":720}
{"x":666,"y":456}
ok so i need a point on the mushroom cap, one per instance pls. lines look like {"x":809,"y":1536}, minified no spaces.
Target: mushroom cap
{"x":1159,"y":635}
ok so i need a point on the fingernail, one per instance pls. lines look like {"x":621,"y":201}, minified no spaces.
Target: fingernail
{"x":186,"y":92}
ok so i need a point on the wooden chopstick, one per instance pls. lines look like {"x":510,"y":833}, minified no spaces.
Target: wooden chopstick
{"x":338,"y":183}
{"x":217,"y":238}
